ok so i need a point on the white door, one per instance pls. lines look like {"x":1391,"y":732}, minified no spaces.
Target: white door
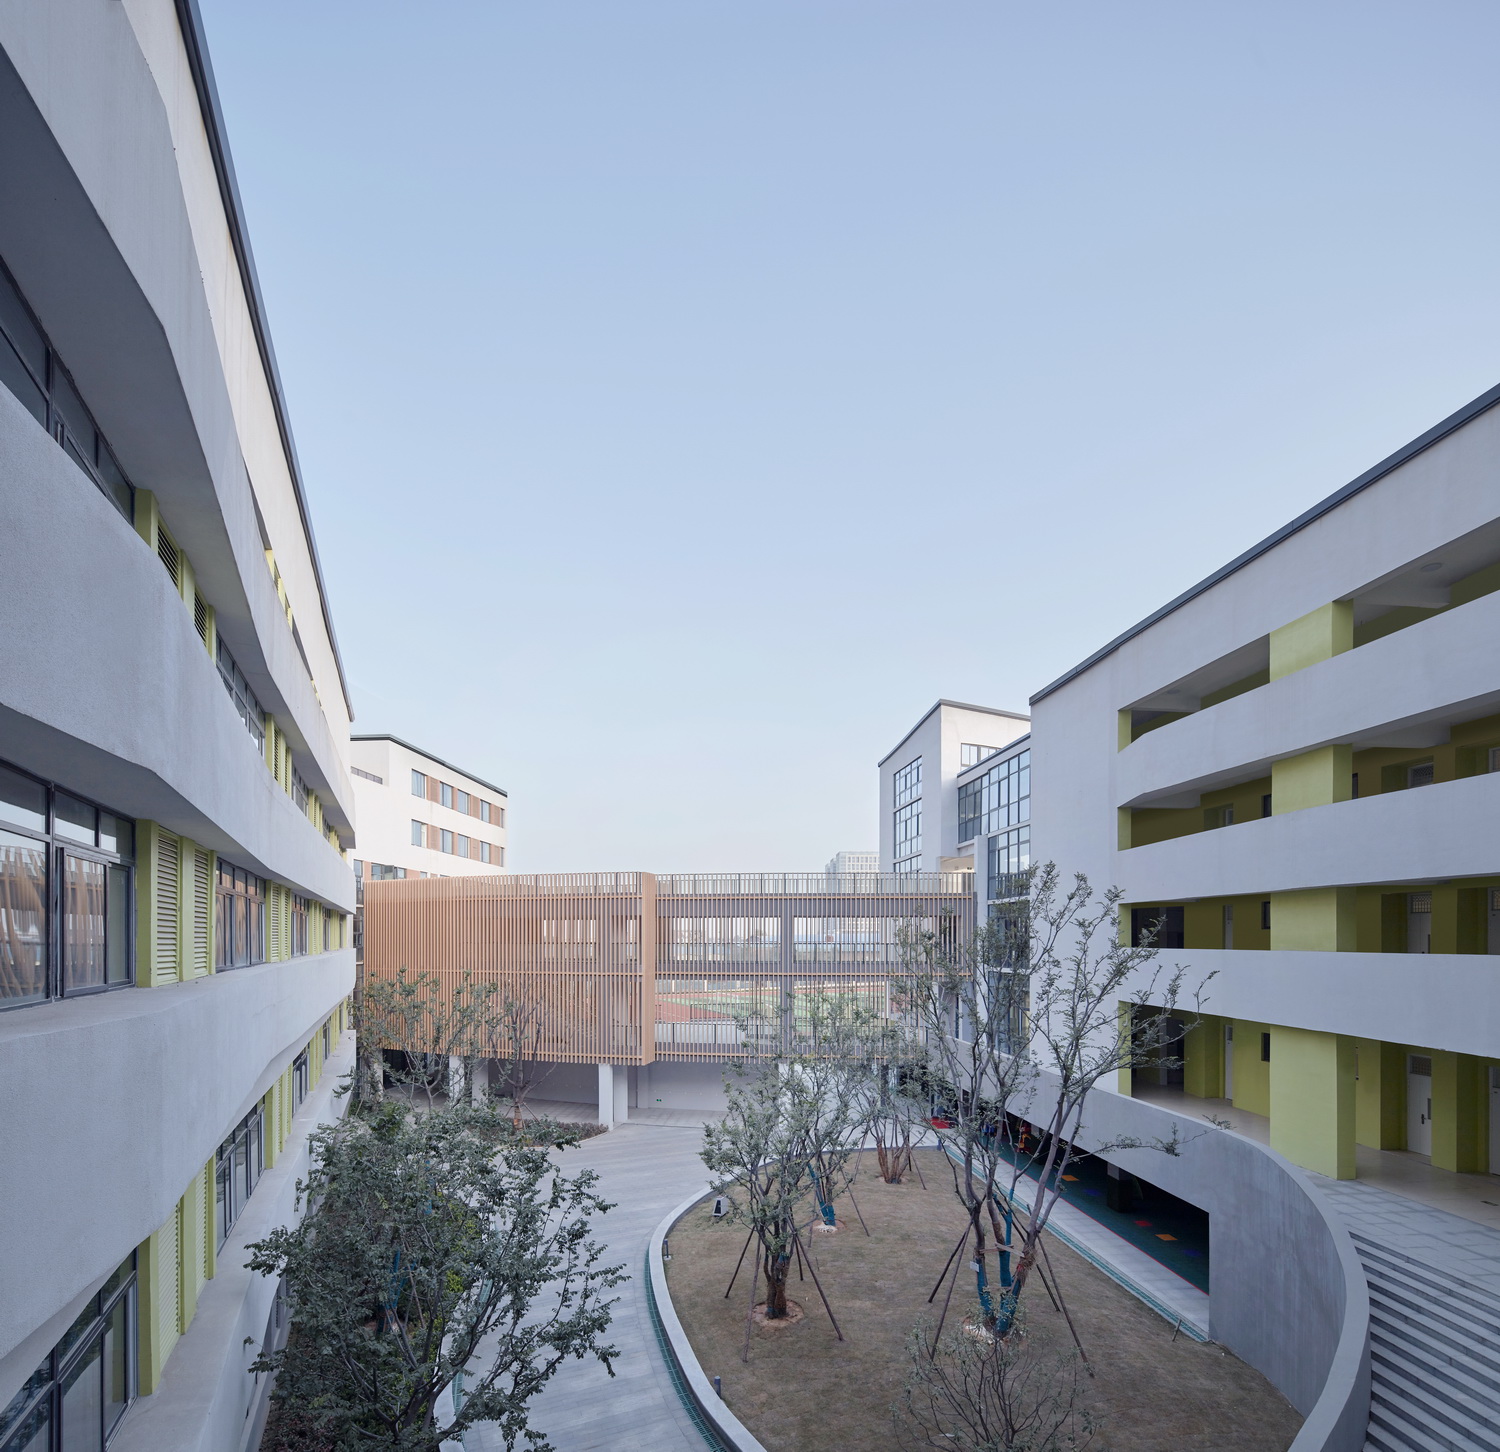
{"x":1494,"y":1120}
{"x":1419,"y":1104}
{"x":1229,"y":1064}
{"x":1419,"y":922}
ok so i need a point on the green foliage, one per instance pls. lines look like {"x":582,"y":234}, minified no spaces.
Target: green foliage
{"x":794,"y":1122}
{"x":429,"y":1251}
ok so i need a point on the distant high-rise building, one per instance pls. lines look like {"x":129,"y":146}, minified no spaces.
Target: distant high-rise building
{"x":843,"y":864}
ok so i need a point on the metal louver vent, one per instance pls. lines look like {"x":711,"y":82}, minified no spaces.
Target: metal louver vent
{"x":167,"y":872}
{"x":1420,"y":902}
{"x":203,"y":887}
{"x":200,"y":617}
{"x":167,"y":552}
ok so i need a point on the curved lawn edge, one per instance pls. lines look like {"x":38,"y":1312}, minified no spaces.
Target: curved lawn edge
{"x":1336,"y":1422}
{"x":716,"y":1420}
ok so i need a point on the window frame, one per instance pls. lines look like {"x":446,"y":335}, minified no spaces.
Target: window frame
{"x":44,"y":1391}
{"x":56,"y":849}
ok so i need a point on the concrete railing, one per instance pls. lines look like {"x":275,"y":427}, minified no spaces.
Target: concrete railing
{"x":1288,"y":1294}
{"x":704,"y":1405}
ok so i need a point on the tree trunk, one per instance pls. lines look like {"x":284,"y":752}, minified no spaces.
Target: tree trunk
{"x":777,"y":1264}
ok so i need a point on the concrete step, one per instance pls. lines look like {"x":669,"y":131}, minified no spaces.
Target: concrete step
{"x":1398,"y":1271}
{"x":1444,"y":1402}
{"x":1401,"y":1316}
{"x":1395,"y":1358}
{"x":1413,"y":1420}
{"x":1437,"y":1296}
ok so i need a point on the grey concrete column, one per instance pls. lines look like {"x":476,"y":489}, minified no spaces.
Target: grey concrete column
{"x":607,"y":1095}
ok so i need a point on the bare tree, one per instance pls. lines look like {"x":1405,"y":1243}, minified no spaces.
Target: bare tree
{"x":975,"y":1392}
{"x":784,"y":1151}
{"x":1008,"y":1036}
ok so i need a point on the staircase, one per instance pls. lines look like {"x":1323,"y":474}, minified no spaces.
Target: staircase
{"x":1434,"y":1356}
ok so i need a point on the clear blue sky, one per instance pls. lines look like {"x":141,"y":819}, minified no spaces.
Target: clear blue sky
{"x":692,"y":391}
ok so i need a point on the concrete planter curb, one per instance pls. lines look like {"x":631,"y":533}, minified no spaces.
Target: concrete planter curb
{"x":715,"y":1419}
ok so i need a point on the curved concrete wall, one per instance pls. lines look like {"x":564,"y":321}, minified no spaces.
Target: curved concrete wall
{"x":1443,"y":830}
{"x":94,"y":224}
{"x":1287,"y":1293}
{"x":1440,"y":669}
{"x":1445,"y":999}
{"x":106,"y":687}
{"x":114,"y":1102}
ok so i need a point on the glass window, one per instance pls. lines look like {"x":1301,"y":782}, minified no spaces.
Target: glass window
{"x":83,"y":923}
{"x":484,"y":808}
{"x":116,"y":1365}
{"x":907,"y":783}
{"x":76,"y":1397}
{"x":418,"y":835}
{"x":117,"y":835}
{"x":299,"y":926}
{"x":242,"y":696}
{"x":300,"y":1081}
{"x":908,"y":837}
{"x":1009,"y":858}
{"x":484,"y":851}
{"x":33,"y":372}
{"x":1000,"y":798}
{"x":18,"y":325}
{"x":64,"y":912}
{"x":23,"y":919}
{"x":461,"y":802}
{"x":74,"y":821}
{"x":83,"y":1401}
{"x":445,"y":794}
{"x":14,"y":376}
{"x":461,"y":845}
{"x":23,"y":802}
{"x":237,"y":1170}
{"x":240,"y":904}
{"x":418,"y":784}
{"x":445,"y":840}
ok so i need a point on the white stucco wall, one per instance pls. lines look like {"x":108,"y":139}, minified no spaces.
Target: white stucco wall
{"x":1402,"y":689}
{"x":386,"y":810}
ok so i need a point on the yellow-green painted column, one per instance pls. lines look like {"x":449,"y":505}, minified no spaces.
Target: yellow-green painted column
{"x":1321,"y":633}
{"x":1312,"y":1100}
{"x":1320,"y":919}
{"x":1203,"y":1058}
{"x":1252,"y":1074}
{"x":1312,"y":779}
{"x":1460,"y":1113}
{"x":1124,"y":1074}
{"x":157,"y":1267}
{"x":1380,"y":1094}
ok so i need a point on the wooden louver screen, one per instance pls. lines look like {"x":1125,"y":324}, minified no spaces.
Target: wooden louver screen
{"x":166,"y":959}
